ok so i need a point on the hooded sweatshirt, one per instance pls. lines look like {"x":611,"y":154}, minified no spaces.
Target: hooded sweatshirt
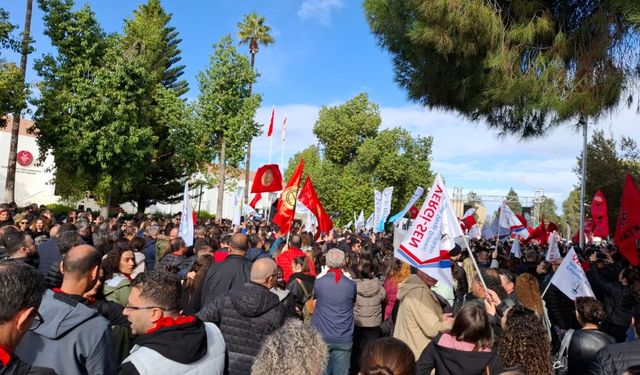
{"x":192,"y":348}
{"x":419,"y":316}
{"x":246,"y":315}
{"x":73,"y":339}
{"x":369,"y":298}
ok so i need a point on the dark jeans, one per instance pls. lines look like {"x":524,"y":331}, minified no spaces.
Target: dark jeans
{"x":339,"y":356}
{"x":361,"y":337}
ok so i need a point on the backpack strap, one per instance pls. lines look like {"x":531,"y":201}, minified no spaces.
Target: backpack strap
{"x":566,"y":340}
{"x":304,"y":289}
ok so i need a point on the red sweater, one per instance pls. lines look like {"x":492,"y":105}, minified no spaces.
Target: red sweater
{"x":285,"y":259}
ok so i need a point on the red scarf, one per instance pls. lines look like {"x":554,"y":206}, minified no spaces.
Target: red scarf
{"x":170,"y":322}
{"x":337,"y":273}
{"x":90,"y":301}
{"x":5,"y":355}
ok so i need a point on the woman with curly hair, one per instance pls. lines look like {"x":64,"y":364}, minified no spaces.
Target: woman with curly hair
{"x":293,"y":349}
{"x":525,"y":344}
{"x":527,"y":291}
{"x":118,"y":265}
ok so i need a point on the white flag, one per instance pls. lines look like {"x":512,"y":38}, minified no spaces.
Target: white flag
{"x":284,"y":128}
{"x":515,"y":248}
{"x":432,"y":235}
{"x":360,"y":221}
{"x":237,"y":206}
{"x":368,"y":225}
{"x":570,"y":278}
{"x":414,"y":198}
{"x":474,"y":232}
{"x":509,"y":220}
{"x":387,"y":194}
{"x":377,"y":209}
{"x":553,"y":252}
{"x":186,"y":221}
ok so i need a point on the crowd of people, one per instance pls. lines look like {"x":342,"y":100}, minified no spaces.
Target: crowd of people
{"x":81,"y":294}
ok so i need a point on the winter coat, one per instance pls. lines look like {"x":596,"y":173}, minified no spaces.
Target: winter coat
{"x":74,"y":339}
{"x":420,"y":315}
{"x":451,"y":361}
{"x":54,"y":275}
{"x":117,"y":289}
{"x":234,"y":271}
{"x":297,"y":293}
{"x":255,"y":253}
{"x":149,"y":251}
{"x":333,"y":315}
{"x":201,"y":351}
{"x":391,"y":290}
{"x":618,"y":301}
{"x":246,"y":315}
{"x":285,"y":259}
{"x":583,"y":347}
{"x":616,"y":358}
{"x":370,"y":296}
{"x":49,"y":253}
{"x":174,"y":260}
{"x":561,"y":309}
{"x":12,"y":365}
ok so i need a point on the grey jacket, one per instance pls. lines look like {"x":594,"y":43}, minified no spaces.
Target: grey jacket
{"x":73,"y":339}
{"x":369,"y":298}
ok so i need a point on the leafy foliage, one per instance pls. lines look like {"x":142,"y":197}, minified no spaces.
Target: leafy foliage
{"x":13,"y":93}
{"x":571,"y":211}
{"x":346,"y":173}
{"x":523,"y":66}
{"x":514,"y":202}
{"x":548,"y":211}
{"x":255,"y":32}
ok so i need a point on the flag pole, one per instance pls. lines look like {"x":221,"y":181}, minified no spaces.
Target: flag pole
{"x":284,"y":128}
{"x":498,"y":229}
{"x":545,"y":289}
{"x":270,"y":147}
{"x":475,"y":264}
{"x":295,"y":203}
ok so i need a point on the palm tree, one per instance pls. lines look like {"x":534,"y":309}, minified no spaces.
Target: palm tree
{"x":254,"y":32}
{"x":10,"y":183}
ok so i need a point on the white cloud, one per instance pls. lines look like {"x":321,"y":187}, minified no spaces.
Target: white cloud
{"x":468,"y":155}
{"x":320,"y":10}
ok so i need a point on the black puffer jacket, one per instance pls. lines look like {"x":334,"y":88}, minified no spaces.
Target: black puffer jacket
{"x":615,"y":359}
{"x":296,"y":289}
{"x":618,"y":301}
{"x":561,"y":309}
{"x":246,"y":315}
{"x":222,"y":277}
{"x":584,"y":345}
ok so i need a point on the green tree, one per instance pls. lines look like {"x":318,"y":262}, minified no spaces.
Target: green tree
{"x":608,"y":163}
{"x":513,"y":202}
{"x":148,"y":32}
{"x":25,"y":49}
{"x":225,"y":108}
{"x":548,"y":210}
{"x":571,"y":211}
{"x":523,"y":66}
{"x":474,"y":199}
{"x":12,"y":92}
{"x":90,"y":112}
{"x":342,"y":129}
{"x":254,"y":32}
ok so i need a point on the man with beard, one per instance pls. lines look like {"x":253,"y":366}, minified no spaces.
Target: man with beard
{"x":21,"y":248}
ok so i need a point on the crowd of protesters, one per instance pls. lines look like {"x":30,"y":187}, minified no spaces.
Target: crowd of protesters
{"x":127,"y":295}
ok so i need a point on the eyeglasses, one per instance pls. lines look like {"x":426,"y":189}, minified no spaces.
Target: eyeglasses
{"x":37,"y":321}
{"x":135,"y":308}
{"x":24,"y":222}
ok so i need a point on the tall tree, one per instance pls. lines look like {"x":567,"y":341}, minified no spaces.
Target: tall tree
{"x":514,"y":202}
{"x":12,"y":89}
{"x":91,"y":105}
{"x":10,"y":184}
{"x":254,"y":32}
{"x":149,"y":32}
{"x":523,"y":66}
{"x":225,"y":109}
{"x":571,"y":212}
{"x":548,"y":210}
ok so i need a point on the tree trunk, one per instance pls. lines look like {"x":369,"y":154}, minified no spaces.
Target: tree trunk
{"x":141,"y":203}
{"x":220,"y":200}
{"x":247,"y":171}
{"x":104,"y":210}
{"x":10,"y":184}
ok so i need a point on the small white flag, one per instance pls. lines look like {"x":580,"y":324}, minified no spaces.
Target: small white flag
{"x":186,"y":221}
{"x":570,"y":278}
{"x":515,"y":248}
{"x":553,"y":252}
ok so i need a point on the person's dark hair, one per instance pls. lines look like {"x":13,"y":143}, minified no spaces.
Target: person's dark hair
{"x":590,"y":310}
{"x":633,"y":370}
{"x":111,"y":262}
{"x":239,"y":242}
{"x":472,"y":325}
{"x":14,"y":241}
{"x":161,"y":288}
{"x":635,"y":313}
{"x":67,"y":240}
{"x":546,"y":266}
{"x":177,"y":244}
{"x":303,"y":262}
{"x":387,"y":356}
{"x":295,"y":241}
{"x":507,"y":274}
{"x":225,"y":239}
{"x":365,"y":269}
{"x":21,"y":287}
{"x":81,"y":265}
{"x":630,"y":275}
{"x":254,"y":240}
{"x":493,"y":282}
{"x":530,"y":256}
{"x":137,"y":244}
{"x":524,"y":334}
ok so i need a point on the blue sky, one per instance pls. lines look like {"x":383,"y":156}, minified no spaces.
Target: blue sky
{"x":324,"y":54}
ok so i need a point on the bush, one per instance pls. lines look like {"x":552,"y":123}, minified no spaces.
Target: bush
{"x":59,"y":209}
{"x":204,"y":215}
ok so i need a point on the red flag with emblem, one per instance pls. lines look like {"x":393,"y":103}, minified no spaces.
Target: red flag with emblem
{"x":267,"y":179}
{"x":286,"y":205}
{"x":628,"y":226}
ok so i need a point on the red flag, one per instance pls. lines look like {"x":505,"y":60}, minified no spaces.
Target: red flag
{"x":414,"y":211}
{"x":628,"y":225}
{"x":267,"y":179}
{"x":468,"y":221}
{"x":552,"y":227}
{"x":255,"y":200}
{"x":588,"y":231}
{"x":522,"y":220}
{"x":309,"y":198}
{"x":270,"y":131}
{"x":285,"y":213}
{"x":599,"y":215}
{"x":539,"y":233}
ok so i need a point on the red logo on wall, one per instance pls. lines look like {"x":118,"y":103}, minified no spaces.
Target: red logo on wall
{"x":25,"y":158}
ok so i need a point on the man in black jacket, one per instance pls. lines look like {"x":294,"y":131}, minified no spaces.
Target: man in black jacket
{"x":234,"y":271}
{"x":20,"y":297}
{"x":616,"y":358}
{"x":246,"y":315}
